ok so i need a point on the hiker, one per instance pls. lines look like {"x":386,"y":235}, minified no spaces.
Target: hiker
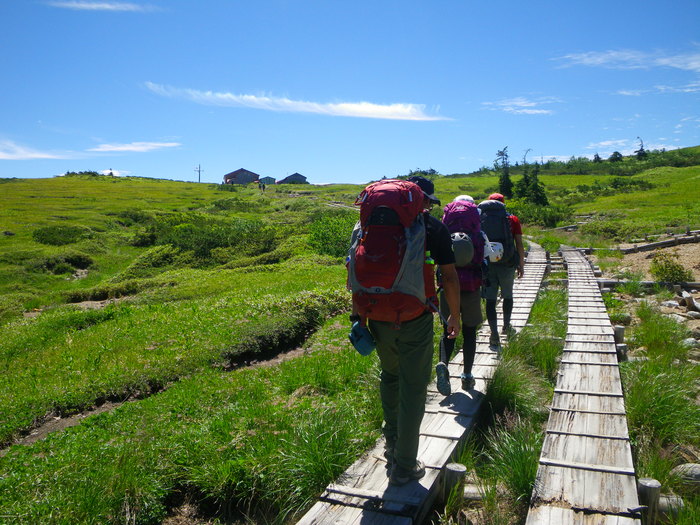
{"x":396,"y":231}
{"x":506,"y":237}
{"x":461,"y":216}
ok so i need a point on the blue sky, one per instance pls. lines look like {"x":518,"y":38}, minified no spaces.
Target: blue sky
{"x":339,"y":91}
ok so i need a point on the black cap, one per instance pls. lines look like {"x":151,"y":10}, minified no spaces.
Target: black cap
{"x":427,"y":186}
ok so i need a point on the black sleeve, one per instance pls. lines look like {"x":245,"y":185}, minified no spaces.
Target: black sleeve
{"x":439,"y":242}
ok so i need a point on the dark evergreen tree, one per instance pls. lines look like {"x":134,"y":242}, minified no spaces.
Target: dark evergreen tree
{"x":596,"y":158}
{"x":615,"y":157}
{"x":641,"y":152}
{"x":505,"y":185}
{"x":536,"y":192}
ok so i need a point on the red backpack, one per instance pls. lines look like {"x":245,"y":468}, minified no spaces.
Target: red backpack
{"x":463,"y":216}
{"x":387,"y":269}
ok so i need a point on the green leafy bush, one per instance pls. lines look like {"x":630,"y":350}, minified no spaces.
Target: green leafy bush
{"x":201,"y":233}
{"x":614,"y":228}
{"x":134,"y":216}
{"x":112,"y":290}
{"x":61,"y":263}
{"x":58,"y":235}
{"x":547,"y":216}
{"x":152,"y":261}
{"x":330,"y":234}
{"x":666,"y":268}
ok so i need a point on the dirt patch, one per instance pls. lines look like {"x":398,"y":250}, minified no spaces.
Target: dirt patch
{"x":83,"y":305}
{"x":688,"y":256}
{"x":57,"y":423}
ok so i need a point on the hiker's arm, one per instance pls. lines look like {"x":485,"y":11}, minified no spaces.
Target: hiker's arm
{"x":521,"y":254}
{"x":450,"y":285}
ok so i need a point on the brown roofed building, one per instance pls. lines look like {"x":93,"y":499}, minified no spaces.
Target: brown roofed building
{"x":294,"y":178}
{"x":241,"y":176}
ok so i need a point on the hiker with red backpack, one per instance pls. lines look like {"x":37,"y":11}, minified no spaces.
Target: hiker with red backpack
{"x":394,"y":249}
{"x":461,"y":217}
{"x":505,"y":234}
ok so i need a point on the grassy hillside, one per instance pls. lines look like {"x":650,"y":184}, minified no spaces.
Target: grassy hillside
{"x":156,"y":291}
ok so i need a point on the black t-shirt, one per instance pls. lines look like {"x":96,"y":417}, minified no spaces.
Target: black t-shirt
{"x":438,"y":242}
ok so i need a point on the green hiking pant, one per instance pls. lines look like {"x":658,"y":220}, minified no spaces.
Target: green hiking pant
{"x":406,"y":356}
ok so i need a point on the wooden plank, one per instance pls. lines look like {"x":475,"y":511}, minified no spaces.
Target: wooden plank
{"x":594,"y":436}
{"x":356,"y":492}
{"x":600,"y":412}
{"x":585,"y":489}
{"x":567,"y":516}
{"x":574,"y":451}
{"x":588,"y":423}
{"x":587,"y":363}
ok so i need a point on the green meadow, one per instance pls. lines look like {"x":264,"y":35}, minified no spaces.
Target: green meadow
{"x":159,"y":294}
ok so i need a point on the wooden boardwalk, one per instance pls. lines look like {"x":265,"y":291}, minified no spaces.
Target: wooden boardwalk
{"x":362,"y":494}
{"x":586,"y":475}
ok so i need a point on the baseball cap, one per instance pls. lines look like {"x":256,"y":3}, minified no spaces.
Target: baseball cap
{"x":427,"y":186}
{"x":497,"y":197}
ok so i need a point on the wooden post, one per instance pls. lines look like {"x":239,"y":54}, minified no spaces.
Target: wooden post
{"x":453,"y":477}
{"x":619,"y":333}
{"x":649,"y":491}
{"x":621,"y":349}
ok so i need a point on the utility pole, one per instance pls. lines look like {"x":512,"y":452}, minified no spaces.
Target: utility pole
{"x":198,"y":169}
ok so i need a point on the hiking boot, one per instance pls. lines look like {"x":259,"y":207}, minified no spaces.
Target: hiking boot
{"x":494,"y":341}
{"x":389,"y":456}
{"x":401,"y":476}
{"x":468,"y":382}
{"x":443,"y":379}
{"x":508,"y":331}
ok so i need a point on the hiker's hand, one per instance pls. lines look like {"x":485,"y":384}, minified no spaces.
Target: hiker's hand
{"x":452,"y":327}
{"x":520,"y":271}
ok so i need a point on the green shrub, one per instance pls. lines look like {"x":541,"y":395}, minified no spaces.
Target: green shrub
{"x":61,"y":263}
{"x":153,"y":261}
{"x":58,"y":235}
{"x":614,"y":228}
{"x":633,"y":284}
{"x":134,"y":216}
{"x":330,"y":234}
{"x":112,"y":290}
{"x":547,"y":216}
{"x":200,"y":234}
{"x":666,"y":268}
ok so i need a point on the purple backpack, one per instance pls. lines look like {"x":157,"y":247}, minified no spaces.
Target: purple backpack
{"x":463,"y":216}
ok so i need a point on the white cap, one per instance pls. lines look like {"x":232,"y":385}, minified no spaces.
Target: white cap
{"x":467,"y":198}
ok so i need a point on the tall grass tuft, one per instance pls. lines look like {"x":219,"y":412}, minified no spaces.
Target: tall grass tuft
{"x":661,"y":335}
{"x":538,"y":352}
{"x":512,"y":451}
{"x":660,"y":406}
{"x":517,"y":387}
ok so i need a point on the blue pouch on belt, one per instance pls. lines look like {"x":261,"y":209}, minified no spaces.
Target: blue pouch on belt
{"x":361,"y":339}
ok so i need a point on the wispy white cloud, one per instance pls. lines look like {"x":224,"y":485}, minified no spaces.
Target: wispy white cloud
{"x":522,"y":106}
{"x":631,"y":92}
{"x":85,"y":5}
{"x":692,"y":87}
{"x":134,"y":147}
{"x":608,"y":144}
{"x":632,"y":59}
{"x":12,"y":151}
{"x":338,"y":109}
